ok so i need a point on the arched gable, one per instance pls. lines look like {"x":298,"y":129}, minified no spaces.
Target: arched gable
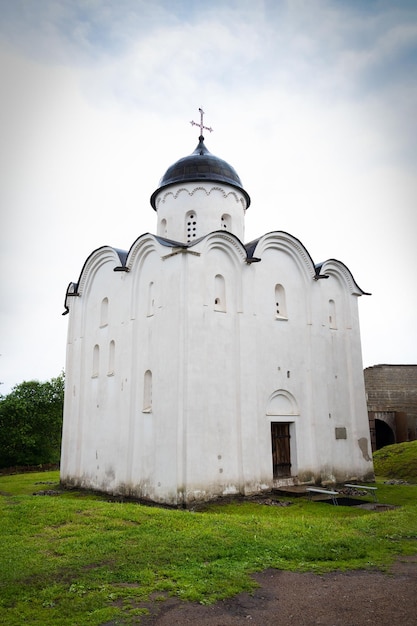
{"x":223,"y":256}
{"x":282,"y":241}
{"x":282,"y":402}
{"x":339,"y":271}
{"x":94,"y":262}
{"x":284,"y":284}
{"x":140,"y":249}
{"x":227,"y":242}
{"x":143,"y":261}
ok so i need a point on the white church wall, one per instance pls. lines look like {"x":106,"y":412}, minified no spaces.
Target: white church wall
{"x":283,"y":340}
{"x":255,"y":445}
{"x":213,"y":368}
{"x":144,"y":296}
{"x":71,"y":415}
{"x":339,"y":340}
{"x":104,"y":400}
{"x":93,"y":393}
{"x":156,"y":447}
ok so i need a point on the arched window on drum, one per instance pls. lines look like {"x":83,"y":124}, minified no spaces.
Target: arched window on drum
{"x":226,"y":222}
{"x":190,"y":226}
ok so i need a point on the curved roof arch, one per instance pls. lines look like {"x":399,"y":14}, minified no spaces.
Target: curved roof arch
{"x":95,"y":260}
{"x":225,"y":241}
{"x":281,"y":240}
{"x":333,"y":267}
{"x":144,"y":245}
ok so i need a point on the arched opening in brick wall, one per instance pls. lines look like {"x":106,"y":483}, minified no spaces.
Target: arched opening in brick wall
{"x":384,"y":434}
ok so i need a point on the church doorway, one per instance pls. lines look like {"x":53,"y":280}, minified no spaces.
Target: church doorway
{"x":281,"y":450}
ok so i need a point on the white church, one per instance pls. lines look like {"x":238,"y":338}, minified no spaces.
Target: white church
{"x":199,"y":366}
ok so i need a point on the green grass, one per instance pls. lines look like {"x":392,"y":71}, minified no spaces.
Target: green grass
{"x":77,"y":559}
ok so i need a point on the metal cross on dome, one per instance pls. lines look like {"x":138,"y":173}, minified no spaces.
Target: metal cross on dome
{"x":201,"y":124}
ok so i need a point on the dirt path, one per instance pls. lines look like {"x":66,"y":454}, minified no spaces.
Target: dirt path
{"x":338,"y":599}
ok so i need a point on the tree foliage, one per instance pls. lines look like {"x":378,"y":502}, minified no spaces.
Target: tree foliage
{"x":31,"y":423}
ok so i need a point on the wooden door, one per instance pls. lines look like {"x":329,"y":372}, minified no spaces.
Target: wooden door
{"x":281,"y":454}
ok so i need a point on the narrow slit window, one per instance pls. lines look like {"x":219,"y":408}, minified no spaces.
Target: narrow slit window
{"x":147,"y":392}
{"x":280,"y":303}
{"x":151,"y":299}
{"x":332,"y":314}
{"x":96,"y":361}
{"x":104,"y":312}
{"x":112,"y":352}
{"x":219,"y":293}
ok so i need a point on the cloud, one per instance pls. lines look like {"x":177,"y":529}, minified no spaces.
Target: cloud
{"x":68,"y":32}
{"x":312,"y":102}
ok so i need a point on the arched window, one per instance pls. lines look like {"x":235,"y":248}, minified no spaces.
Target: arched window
{"x":147,"y":392}
{"x":190,"y":226}
{"x":280,"y":303}
{"x":104,"y":312}
{"x":226,"y":222}
{"x":96,"y":359}
{"x":332,"y":314}
{"x":163,"y":228}
{"x":219,"y":293}
{"x":151,"y":299}
{"x":112,"y":350}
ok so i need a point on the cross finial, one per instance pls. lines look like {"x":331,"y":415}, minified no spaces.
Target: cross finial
{"x":201,"y":124}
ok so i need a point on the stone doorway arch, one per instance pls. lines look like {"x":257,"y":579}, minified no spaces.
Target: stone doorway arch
{"x":282,"y":410}
{"x":383,"y":433}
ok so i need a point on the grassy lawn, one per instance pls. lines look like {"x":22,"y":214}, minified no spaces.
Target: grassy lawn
{"x":397,"y":461}
{"x":77,"y":559}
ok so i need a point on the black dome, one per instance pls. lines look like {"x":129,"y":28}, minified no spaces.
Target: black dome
{"x":201,"y":165}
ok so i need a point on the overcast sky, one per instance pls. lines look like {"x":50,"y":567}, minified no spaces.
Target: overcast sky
{"x":313,"y":102}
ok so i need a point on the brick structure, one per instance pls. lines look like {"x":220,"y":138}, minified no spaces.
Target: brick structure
{"x":391,"y":395}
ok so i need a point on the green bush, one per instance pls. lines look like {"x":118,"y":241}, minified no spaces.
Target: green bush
{"x":31,"y":423}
